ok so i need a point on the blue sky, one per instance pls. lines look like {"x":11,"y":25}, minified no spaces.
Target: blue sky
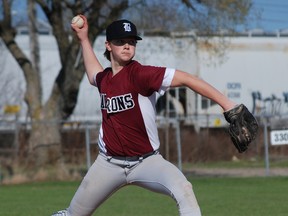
{"x":274,"y":15}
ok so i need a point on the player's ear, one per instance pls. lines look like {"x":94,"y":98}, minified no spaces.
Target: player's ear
{"x":107,"y":45}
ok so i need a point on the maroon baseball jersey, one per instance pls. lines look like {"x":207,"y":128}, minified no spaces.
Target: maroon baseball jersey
{"x":128,"y":108}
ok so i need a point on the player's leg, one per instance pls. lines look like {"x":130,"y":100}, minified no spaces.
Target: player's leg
{"x":159,"y":175}
{"x":102,"y":179}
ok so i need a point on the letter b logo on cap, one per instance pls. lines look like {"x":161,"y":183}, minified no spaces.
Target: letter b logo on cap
{"x":127,"y":27}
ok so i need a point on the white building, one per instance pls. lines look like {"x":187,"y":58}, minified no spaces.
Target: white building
{"x":253,"y":71}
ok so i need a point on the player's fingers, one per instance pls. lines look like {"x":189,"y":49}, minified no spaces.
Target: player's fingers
{"x":83,"y":17}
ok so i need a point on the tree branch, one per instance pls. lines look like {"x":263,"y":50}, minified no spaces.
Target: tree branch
{"x":191,"y":5}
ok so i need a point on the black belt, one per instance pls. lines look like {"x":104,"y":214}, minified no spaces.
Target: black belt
{"x":134,"y":158}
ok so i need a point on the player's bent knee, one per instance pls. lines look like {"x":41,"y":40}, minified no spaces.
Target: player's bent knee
{"x":186,"y":201}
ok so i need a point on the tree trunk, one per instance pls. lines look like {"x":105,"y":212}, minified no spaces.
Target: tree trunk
{"x":44,"y":144}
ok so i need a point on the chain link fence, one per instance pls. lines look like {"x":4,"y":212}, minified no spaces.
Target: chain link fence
{"x":181,"y":142}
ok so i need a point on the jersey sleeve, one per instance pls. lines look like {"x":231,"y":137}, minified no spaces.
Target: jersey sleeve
{"x":98,"y":77}
{"x":167,"y":80}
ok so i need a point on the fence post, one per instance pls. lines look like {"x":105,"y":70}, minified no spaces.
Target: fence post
{"x":267,"y":165}
{"x":16,"y":137}
{"x":87,"y":141}
{"x":178,"y":141}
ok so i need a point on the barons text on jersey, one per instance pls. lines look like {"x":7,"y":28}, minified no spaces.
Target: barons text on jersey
{"x":117,"y":103}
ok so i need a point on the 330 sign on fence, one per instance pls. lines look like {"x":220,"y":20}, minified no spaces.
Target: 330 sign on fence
{"x":279,"y":137}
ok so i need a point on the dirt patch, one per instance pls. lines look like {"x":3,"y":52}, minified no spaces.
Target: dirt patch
{"x":239,"y":172}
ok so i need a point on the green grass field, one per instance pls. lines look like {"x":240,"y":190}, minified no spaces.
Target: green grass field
{"x":261,"y":196}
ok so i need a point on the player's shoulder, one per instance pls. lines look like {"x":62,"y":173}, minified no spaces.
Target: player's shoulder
{"x":106,"y":70}
{"x":136,"y":66}
{"x":104,"y":73}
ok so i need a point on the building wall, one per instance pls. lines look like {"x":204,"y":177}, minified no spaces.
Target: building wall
{"x":249,"y":65}
{"x":252,"y":65}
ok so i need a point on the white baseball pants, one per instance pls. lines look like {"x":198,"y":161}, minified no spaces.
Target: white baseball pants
{"x":107,"y":175}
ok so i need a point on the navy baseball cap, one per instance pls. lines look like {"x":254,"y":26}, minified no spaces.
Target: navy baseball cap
{"x":121,"y":29}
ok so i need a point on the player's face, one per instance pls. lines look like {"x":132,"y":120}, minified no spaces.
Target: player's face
{"x":123,"y":50}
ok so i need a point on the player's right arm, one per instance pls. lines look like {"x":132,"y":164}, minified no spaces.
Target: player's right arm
{"x":91,"y":62}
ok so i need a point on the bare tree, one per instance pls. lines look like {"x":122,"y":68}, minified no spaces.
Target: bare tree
{"x":44,"y":142}
{"x":33,"y":38}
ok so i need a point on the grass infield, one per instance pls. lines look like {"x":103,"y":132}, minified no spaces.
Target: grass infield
{"x":257,"y":196}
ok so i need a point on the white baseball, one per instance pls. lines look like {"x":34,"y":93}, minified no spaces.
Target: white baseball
{"x":78,"y":21}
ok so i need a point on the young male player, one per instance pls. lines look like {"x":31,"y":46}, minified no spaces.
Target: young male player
{"x":128,"y":137}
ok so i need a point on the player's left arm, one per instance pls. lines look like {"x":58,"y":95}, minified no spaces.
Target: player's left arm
{"x":243,"y":126}
{"x":201,"y":87}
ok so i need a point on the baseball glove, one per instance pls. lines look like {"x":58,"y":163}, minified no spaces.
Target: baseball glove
{"x":243,"y":126}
